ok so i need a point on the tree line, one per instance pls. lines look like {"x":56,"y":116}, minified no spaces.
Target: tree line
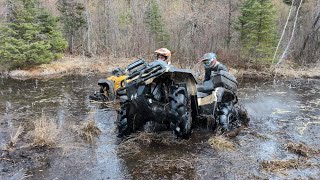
{"x":242,"y":32}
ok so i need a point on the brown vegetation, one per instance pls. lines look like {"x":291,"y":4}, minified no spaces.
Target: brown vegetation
{"x":133,"y":144}
{"x":10,"y":146}
{"x":302,"y":149}
{"x":114,"y":105}
{"x":71,"y":65}
{"x":221,"y":143}
{"x":88,"y":130}
{"x":282,"y":165}
{"x":46,"y":133}
{"x":164,"y":167}
{"x":81,"y":65}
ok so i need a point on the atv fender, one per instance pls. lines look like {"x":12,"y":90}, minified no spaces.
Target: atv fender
{"x":183,"y":76}
{"x":109,"y":87}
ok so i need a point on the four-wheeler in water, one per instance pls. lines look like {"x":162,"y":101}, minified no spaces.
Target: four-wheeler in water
{"x":162,"y":93}
{"x":109,"y":86}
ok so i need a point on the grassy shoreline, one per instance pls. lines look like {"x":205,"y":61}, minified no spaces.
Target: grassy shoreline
{"x":102,"y":65}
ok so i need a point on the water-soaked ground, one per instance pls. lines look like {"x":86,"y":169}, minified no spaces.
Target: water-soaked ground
{"x":281,"y":113}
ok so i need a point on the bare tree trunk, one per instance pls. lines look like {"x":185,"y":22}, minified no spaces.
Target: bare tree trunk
{"x":193,"y":28}
{"x":311,"y":36}
{"x":106,"y":30}
{"x":70,"y":42}
{"x":228,"y":39}
{"x":88,"y":51}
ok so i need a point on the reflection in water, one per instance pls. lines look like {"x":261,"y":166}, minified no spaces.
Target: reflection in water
{"x":288,"y":111}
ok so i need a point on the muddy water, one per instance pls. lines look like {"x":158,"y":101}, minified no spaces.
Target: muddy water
{"x":280,"y":113}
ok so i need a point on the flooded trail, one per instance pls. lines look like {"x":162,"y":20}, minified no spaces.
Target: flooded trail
{"x":285,"y":113}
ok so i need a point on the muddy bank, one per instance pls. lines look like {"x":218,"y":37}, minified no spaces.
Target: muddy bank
{"x":283,"y":73}
{"x":83,"y":66}
{"x":69,"y":66}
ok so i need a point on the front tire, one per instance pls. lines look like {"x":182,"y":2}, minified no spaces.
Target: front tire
{"x":124,"y":122}
{"x":180,"y":112}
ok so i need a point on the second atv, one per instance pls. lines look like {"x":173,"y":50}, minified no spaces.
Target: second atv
{"x":109,"y":86}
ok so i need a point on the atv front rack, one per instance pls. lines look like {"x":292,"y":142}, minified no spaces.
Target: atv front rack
{"x":141,"y":71}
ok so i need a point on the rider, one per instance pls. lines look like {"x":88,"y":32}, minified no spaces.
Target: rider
{"x":211,"y":64}
{"x":163,"y":54}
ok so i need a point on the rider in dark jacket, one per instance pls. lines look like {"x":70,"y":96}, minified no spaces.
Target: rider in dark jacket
{"x":211,"y":65}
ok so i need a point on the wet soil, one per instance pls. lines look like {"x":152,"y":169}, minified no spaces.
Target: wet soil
{"x":283,"y":114}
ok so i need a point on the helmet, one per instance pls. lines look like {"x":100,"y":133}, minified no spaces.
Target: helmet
{"x":209,"y":59}
{"x":164,"y":52}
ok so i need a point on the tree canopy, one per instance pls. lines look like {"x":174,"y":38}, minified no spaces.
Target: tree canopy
{"x":30,"y":36}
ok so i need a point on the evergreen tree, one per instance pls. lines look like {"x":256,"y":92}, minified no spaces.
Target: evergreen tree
{"x":30,"y":36}
{"x":258,"y":29}
{"x":156,"y":24}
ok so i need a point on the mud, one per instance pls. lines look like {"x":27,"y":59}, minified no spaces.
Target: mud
{"x":281,"y":141}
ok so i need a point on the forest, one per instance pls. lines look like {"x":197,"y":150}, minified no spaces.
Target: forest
{"x":83,"y":95}
{"x":244,"y":33}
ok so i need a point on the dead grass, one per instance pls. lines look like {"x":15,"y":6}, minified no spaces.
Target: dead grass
{"x":88,"y":130}
{"x":289,"y":71}
{"x":114,"y":105}
{"x":301,"y":149}
{"x":282,"y":165}
{"x":134,"y":143}
{"x":71,"y":65}
{"x":221,"y":143}
{"x":169,"y":167}
{"x":286,"y":71}
{"x":14,"y":139}
{"x":258,"y":135}
{"x":45,"y":133}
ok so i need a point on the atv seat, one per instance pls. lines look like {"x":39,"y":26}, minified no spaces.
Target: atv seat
{"x":202,"y":94}
{"x":205,"y":89}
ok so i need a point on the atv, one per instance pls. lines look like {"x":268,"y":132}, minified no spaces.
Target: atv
{"x":164,"y":94}
{"x":217,"y":99}
{"x":109,"y":86}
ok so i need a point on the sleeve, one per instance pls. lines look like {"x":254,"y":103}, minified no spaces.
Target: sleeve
{"x":207,"y":75}
{"x":222,"y":68}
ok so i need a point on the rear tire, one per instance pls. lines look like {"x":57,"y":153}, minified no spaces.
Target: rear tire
{"x":233,"y":122}
{"x":233,"y":119}
{"x":243,"y":115}
{"x":180,"y":113}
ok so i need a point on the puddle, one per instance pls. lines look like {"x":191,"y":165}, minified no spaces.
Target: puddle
{"x":279,"y":113}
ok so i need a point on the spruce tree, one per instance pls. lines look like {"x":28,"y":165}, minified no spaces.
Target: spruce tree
{"x":29,"y":36}
{"x":257,"y":28}
{"x":156,"y":24}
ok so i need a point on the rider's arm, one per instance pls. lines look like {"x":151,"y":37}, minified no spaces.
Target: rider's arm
{"x":222,"y":67}
{"x":207,"y":75}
